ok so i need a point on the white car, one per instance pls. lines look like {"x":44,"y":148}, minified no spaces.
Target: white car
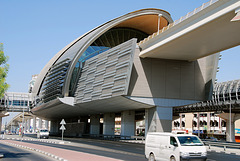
{"x":43,"y":133}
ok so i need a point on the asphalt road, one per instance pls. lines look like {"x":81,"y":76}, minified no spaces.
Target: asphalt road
{"x":119,"y":150}
{"x":17,"y":154}
{"x":215,"y":156}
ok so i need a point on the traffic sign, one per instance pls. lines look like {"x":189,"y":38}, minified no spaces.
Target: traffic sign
{"x":63,"y":122}
{"x":62,"y":127}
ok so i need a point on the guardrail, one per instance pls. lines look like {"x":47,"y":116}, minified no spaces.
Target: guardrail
{"x":225,"y":145}
{"x":107,"y":137}
{"x":114,"y":137}
{"x":138,"y":137}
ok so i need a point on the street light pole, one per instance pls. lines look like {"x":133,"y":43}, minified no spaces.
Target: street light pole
{"x":198,"y":127}
{"x":230,"y":115}
{"x":23,"y":121}
{"x":230,"y":121}
{"x":12,"y":113}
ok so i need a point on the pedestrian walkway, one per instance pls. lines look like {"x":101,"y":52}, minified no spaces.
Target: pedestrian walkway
{"x":56,"y":153}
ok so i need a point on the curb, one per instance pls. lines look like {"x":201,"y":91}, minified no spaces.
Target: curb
{"x":19,"y":139}
{"x":36,"y":150}
{"x":40,"y":140}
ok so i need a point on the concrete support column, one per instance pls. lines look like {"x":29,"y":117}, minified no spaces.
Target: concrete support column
{"x":109,"y":124}
{"x":128,"y":126}
{"x":147,"y":123}
{"x":94,"y":124}
{"x":86,"y":128}
{"x":46,"y":124}
{"x":25,"y":125}
{"x":34,"y":124}
{"x":0,"y":124}
{"x":39,"y":123}
{"x":189,"y":124}
{"x":198,"y":124}
{"x":55,"y":125}
{"x":180,"y":121}
{"x":158,"y":119}
{"x":208,"y":122}
{"x":230,"y":132}
{"x":28,"y":124}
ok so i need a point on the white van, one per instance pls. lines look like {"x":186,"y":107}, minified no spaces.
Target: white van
{"x":174,"y":147}
{"x":43,"y":133}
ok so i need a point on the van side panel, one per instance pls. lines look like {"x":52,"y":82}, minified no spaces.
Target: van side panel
{"x":156,"y":144}
{"x":151,"y":145}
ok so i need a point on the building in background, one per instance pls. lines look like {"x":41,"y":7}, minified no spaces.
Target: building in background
{"x":204,"y":124}
{"x":31,"y":83}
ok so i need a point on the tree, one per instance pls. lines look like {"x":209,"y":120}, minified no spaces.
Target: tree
{"x":3,"y":71}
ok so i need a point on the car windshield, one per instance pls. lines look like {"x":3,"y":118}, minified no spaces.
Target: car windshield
{"x":189,"y":141}
{"x":43,"y":130}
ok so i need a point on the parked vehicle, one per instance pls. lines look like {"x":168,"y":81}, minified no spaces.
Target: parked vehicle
{"x":43,"y":133}
{"x":174,"y":147}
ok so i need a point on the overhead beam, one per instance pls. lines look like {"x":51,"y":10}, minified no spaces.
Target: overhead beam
{"x":207,"y":32}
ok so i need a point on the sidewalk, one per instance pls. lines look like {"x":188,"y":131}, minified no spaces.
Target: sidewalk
{"x":56,"y":153}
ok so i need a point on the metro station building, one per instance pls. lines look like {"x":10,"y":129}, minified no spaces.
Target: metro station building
{"x":102,"y":75}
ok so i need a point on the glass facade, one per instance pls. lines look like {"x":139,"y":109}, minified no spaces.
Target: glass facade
{"x":18,"y":103}
{"x":108,"y":40}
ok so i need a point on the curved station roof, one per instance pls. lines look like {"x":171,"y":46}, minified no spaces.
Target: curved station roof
{"x":61,"y":75}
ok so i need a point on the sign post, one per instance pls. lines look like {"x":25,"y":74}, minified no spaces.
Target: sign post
{"x":62,"y":127}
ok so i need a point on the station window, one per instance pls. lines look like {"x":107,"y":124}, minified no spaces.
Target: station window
{"x":108,"y":40}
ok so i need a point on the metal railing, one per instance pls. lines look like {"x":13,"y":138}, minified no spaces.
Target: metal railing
{"x":189,"y":14}
{"x":107,"y":137}
{"x":224,"y":145}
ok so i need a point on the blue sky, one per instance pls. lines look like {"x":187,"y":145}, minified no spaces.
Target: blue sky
{"x":34,"y":31}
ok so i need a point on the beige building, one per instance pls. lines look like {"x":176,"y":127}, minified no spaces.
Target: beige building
{"x":205,"y":124}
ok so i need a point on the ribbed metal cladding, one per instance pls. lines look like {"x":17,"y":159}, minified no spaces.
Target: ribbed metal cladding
{"x":227,"y":91}
{"x":107,"y":74}
{"x":52,"y":86}
{"x":224,"y":93}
